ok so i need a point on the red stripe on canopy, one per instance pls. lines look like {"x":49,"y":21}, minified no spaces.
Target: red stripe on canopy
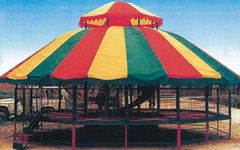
{"x":175,"y":65}
{"x":78,"y":62}
{"x":117,"y":9}
{"x":121,"y":17}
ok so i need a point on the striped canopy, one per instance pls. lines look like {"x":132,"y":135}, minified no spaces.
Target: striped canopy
{"x":120,"y":14}
{"x":122,"y":47}
{"x":120,"y":55}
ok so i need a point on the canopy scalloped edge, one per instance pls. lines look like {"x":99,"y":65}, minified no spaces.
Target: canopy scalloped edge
{"x":155,"y":22}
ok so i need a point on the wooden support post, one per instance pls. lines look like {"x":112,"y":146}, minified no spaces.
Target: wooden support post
{"x":73,"y":137}
{"x":158,"y":100}
{"x":139,"y":23}
{"x":178,"y":136}
{"x":130,"y":92}
{"x":218,"y":109}
{"x":31,"y":101}
{"x":15,"y":111}
{"x":74,"y":116}
{"x":74,"y":104}
{"x":59,"y":97}
{"x":218,"y":102}
{"x":85,"y":99}
{"x":178,"y":117}
{"x":118,"y":99}
{"x":238,"y":90}
{"x":126,"y":137}
{"x":207,"y":113}
{"x":178,"y":103}
{"x":106,"y":93}
{"x":36,"y":99}
{"x":207,"y":132}
{"x":230,"y":128}
{"x":139,"y":106}
{"x":126,"y":102}
{"x":41,"y":96}
{"x":153,"y":102}
{"x":230,"y":111}
{"x":24,"y":100}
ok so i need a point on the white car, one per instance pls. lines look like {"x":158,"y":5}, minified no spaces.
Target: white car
{"x":7,"y":109}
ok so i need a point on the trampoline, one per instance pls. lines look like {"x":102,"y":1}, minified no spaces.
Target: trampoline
{"x":165,"y":117}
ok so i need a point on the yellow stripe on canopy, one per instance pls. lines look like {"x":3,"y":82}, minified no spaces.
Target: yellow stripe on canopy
{"x":141,"y":10}
{"x":100,"y":10}
{"x":202,"y":67}
{"x":110,"y":61}
{"x":24,"y":69}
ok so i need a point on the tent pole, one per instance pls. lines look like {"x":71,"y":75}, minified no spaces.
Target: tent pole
{"x":40,"y":96}
{"x":218,"y":105}
{"x":126,"y":137}
{"x":130,"y":91}
{"x":74,"y":116}
{"x":206,"y":132}
{"x":126,"y":116}
{"x":24,"y":100}
{"x":206,"y":110}
{"x":158,"y":100}
{"x":230,"y":112}
{"x":85,"y":100}
{"x":238,"y":90}
{"x":59,"y":98}
{"x":138,"y":91}
{"x":15,"y":111}
{"x":178,"y":117}
{"x":73,"y":137}
{"x":36,"y":95}
{"x":126,"y":102}
{"x":178,"y":136}
{"x":31,"y":101}
{"x":74,"y":104}
{"x":178,"y":103}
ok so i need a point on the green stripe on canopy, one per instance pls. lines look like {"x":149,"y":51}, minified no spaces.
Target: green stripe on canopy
{"x":143,"y":64}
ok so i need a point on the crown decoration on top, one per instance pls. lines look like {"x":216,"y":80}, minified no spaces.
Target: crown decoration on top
{"x":120,"y":14}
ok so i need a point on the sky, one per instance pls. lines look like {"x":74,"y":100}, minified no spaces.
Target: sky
{"x":28,"y":25}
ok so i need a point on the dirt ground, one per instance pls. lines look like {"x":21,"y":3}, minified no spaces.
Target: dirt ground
{"x":233,"y":144}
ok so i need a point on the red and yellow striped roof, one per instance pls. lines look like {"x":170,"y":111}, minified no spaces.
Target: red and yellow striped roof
{"x":120,"y":14}
{"x":121,"y":55}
